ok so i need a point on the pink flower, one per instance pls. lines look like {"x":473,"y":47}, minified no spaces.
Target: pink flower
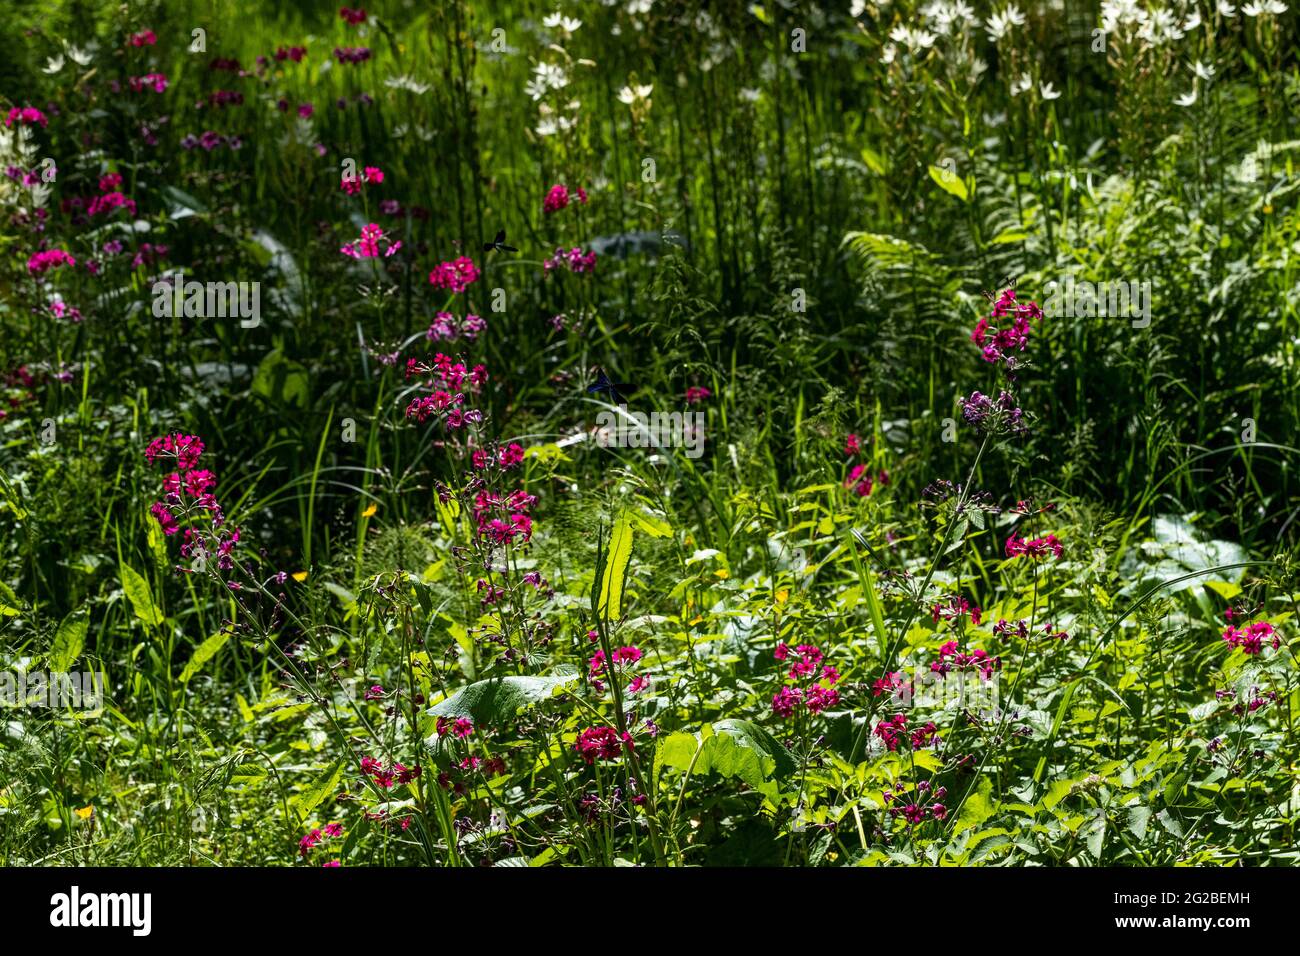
{"x":1035,"y":548}
{"x":852,"y":445}
{"x":150,"y":81}
{"x":696,"y":394}
{"x":600,"y":742}
{"x":367,"y":247}
{"x":352,"y":16}
{"x":455,"y":276}
{"x":42,"y":262}
{"x":786,"y":700}
{"x":556,"y":199}
{"x":26,"y":116}
{"x":638,"y":683}
{"x":145,"y":38}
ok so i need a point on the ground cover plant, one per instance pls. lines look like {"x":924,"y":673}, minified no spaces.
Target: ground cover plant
{"x":634,"y":432}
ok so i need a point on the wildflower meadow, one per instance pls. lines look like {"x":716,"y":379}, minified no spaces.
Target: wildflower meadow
{"x":539,"y":433}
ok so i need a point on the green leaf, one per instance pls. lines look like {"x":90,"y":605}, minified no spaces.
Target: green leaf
{"x":950,"y":182}
{"x":10,"y":605}
{"x":496,"y":701}
{"x":613,"y":573}
{"x":677,"y":750}
{"x":137,"y":591}
{"x":68,"y":641}
{"x":309,"y":800}
{"x":1138,"y":818}
{"x":203,"y":653}
{"x":977,"y":808}
{"x":745,"y":750}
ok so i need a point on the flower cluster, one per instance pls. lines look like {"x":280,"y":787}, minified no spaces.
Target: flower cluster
{"x":576,"y":260}
{"x":352,"y":16}
{"x":557,"y":198}
{"x":447,"y":328}
{"x":210,"y":140}
{"x":368,"y":246}
{"x":43,"y":262}
{"x":604,"y":743}
{"x":892,"y":731}
{"x":386,"y":777}
{"x":993,"y":415}
{"x":150,"y":81}
{"x":1251,"y":638}
{"x":352,"y":183}
{"x":352,"y":54}
{"x":461,"y":727}
{"x":622,"y":658}
{"x":916,"y":804}
{"x":318,"y":835}
{"x":507,"y":457}
{"x":451,"y":383}
{"x":998,"y":341}
{"x":187,"y":498}
{"x":862,"y":482}
{"x":455,"y":276}
{"x":26,"y":116}
{"x":696,"y":394}
{"x":1033,"y":547}
{"x":503,"y":519}
{"x":951,"y":656}
{"x":807,"y":665}
{"x":955,"y":607}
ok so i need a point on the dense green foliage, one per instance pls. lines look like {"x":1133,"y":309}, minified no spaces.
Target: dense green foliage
{"x":797,"y":211}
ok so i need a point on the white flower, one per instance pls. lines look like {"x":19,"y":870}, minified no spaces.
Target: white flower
{"x":1252,"y":9}
{"x":639,"y":6}
{"x":1275,"y":7}
{"x":999,"y":23}
{"x":1203,"y":70}
{"x":557,"y":19}
{"x":1187,"y":99}
{"x":1225,"y":9}
{"x":54,"y":64}
{"x":1023,"y":84}
{"x":888,"y":54}
{"x":750,"y":95}
{"x":1045,"y":90}
{"x":914,"y":40}
{"x":405,"y":82}
{"x":1160,"y":27}
{"x":1192,"y":22}
{"x":83,"y":57}
{"x":857,"y":8}
{"x":631,"y":94}
{"x":546,"y":77}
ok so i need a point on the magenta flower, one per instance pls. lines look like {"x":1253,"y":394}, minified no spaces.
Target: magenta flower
{"x":367,"y":247}
{"x":42,"y":262}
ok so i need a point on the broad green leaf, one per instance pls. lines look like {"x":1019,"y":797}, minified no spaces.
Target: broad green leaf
{"x":977,"y":808}
{"x":141,"y":598}
{"x":496,"y":701}
{"x":68,"y":641}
